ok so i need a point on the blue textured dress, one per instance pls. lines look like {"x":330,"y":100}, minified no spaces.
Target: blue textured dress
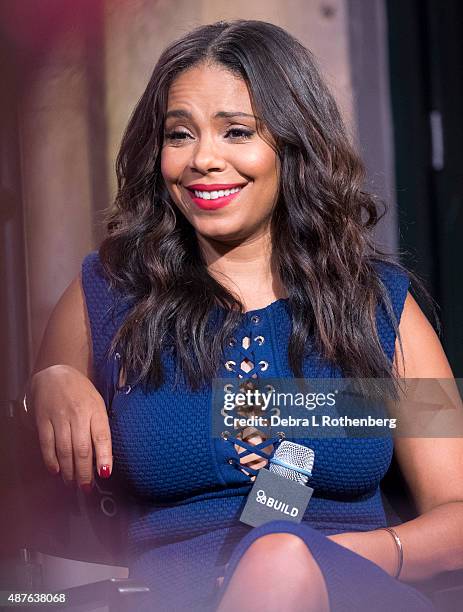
{"x":189,"y":493}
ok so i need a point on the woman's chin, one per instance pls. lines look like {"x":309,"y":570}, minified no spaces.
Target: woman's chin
{"x":222,"y":231}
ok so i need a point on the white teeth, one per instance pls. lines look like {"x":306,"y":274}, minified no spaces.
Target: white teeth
{"x":213,"y":195}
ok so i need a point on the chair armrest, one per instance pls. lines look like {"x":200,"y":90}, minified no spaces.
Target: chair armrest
{"x":119,"y":593}
{"x":445,"y":590}
{"x":449,"y":599}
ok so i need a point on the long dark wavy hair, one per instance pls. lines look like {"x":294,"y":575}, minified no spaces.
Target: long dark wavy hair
{"x":321,"y":225}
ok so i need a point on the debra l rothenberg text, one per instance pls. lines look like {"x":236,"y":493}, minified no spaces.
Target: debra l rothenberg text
{"x":311,"y":421}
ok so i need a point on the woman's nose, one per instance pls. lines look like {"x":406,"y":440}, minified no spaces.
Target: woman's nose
{"x":207,"y":155}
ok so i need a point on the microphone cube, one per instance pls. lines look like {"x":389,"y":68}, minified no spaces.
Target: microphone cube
{"x":274,"y":498}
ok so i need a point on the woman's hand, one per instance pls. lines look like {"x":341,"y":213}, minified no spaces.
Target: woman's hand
{"x":71,"y":419}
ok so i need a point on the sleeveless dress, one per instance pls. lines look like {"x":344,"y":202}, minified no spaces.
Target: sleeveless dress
{"x":186,"y":485}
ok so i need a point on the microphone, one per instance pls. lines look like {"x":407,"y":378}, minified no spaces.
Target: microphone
{"x":293,"y":461}
{"x":277,"y":493}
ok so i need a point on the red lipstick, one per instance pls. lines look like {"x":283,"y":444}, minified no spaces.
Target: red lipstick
{"x":217,"y":202}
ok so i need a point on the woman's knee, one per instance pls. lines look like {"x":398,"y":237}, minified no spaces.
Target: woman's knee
{"x":276,"y":546}
{"x":282,"y":566}
{"x":284,"y":555}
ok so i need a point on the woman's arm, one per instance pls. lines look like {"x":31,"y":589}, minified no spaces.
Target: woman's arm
{"x":69,"y":412}
{"x":67,"y":338}
{"x":433,"y":469}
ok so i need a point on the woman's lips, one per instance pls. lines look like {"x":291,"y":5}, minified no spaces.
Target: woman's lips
{"x":213,"y":204}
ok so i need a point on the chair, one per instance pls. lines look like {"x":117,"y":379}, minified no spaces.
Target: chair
{"x":40,"y":516}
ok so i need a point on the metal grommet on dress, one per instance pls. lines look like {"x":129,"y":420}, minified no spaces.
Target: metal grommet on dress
{"x":229,"y":365}
{"x":260,"y":340}
{"x":255,"y":319}
{"x":225,"y":435}
{"x":263,"y":365}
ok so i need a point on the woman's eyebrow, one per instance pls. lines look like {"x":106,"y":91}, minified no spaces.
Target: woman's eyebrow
{"x":184,"y":114}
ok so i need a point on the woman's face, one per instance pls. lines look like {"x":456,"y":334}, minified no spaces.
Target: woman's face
{"x":211,"y":145}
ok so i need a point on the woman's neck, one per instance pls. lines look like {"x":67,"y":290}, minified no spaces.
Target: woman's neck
{"x":245,"y":269}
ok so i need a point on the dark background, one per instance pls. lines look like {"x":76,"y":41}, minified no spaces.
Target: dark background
{"x":426,"y":79}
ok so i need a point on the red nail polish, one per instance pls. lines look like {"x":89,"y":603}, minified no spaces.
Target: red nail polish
{"x":86,"y":488}
{"x":104,"y":471}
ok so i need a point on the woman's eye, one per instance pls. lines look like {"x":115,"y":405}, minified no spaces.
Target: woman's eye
{"x":176,"y":135}
{"x":241,"y":133}
{"x":233,"y":133}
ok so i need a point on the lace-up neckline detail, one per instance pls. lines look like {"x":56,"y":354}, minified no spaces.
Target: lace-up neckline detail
{"x":250,"y":357}
{"x":271,"y":306}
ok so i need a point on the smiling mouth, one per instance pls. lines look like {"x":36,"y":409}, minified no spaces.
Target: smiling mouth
{"x":211,"y":200}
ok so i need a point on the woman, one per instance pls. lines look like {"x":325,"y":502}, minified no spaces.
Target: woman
{"x":240,"y":244}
